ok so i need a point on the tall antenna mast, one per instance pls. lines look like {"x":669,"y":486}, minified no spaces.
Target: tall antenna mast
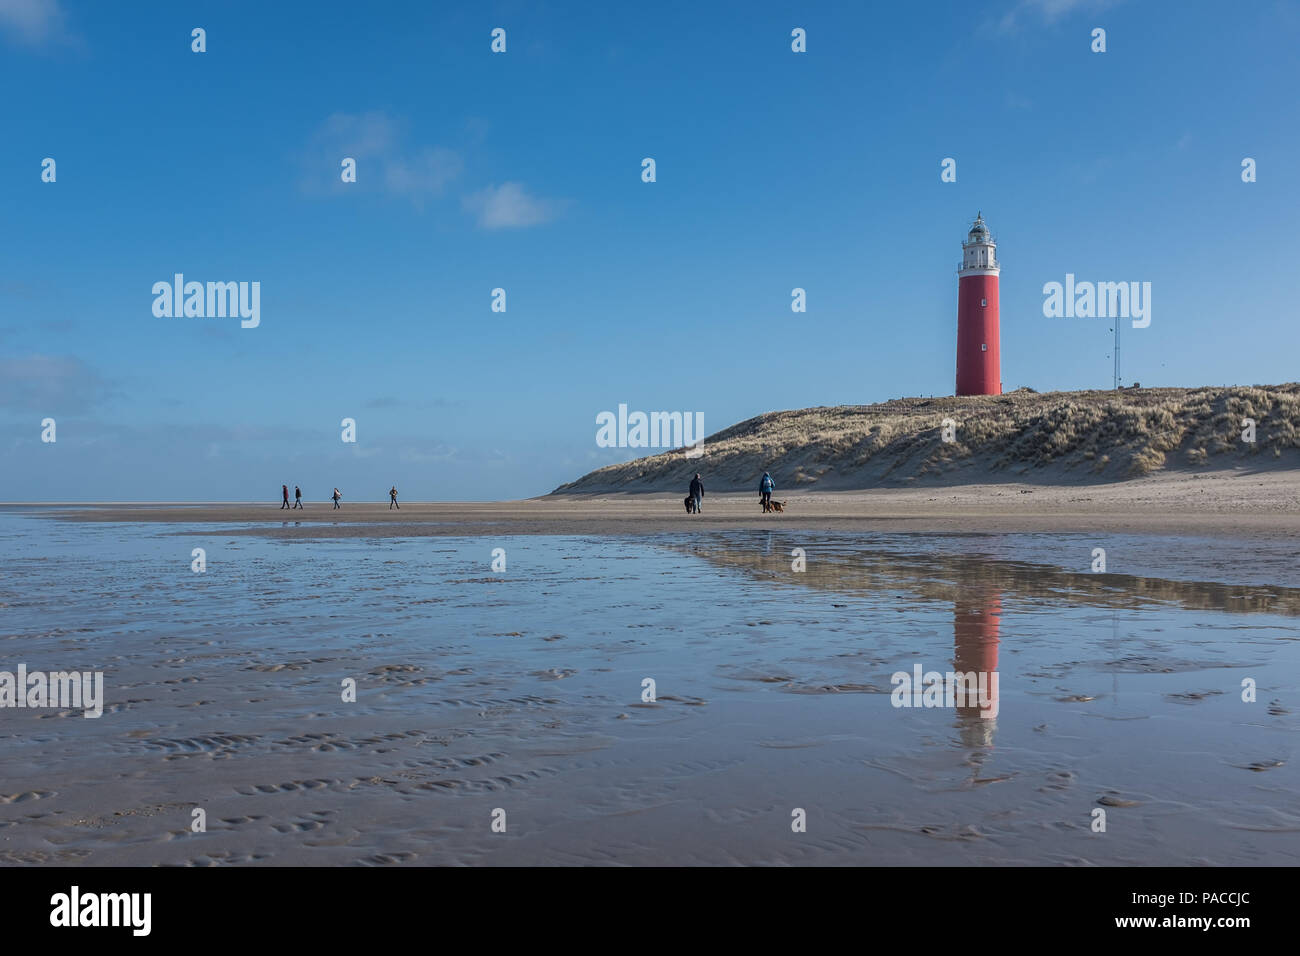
{"x":1117,"y":378}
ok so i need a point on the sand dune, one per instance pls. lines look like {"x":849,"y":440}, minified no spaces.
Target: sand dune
{"x":1078,"y":438}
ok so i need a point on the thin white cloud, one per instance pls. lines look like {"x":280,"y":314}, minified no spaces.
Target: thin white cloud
{"x":509,"y":206}
{"x":50,"y":384}
{"x":388,"y":401}
{"x":34,"y":22}
{"x":434,"y":452}
{"x":426,"y":173}
{"x":377,"y":142}
{"x":1016,"y":101}
{"x":363,"y":134}
{"x":1050,"y":11}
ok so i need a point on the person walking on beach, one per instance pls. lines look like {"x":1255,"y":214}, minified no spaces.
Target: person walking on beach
{"x":336,"y":496}
{"x":392,"y":499}
{"x":285,"y":490}
{"x":765,"y":489}
{"x":297,"y":498}
{"x":697,"y":492}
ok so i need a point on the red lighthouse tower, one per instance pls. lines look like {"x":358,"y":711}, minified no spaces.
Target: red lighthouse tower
{"x":979,"y":353}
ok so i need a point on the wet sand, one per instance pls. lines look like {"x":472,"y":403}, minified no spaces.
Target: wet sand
{"x":521,"y":690}
{"x":1223,"y":504}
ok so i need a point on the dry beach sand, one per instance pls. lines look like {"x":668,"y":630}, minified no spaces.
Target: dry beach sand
{"x":1234,"y":503}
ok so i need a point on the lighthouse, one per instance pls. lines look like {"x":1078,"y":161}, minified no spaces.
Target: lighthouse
{"x":979,"y":355}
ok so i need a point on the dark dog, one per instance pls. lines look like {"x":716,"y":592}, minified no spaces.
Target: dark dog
{"x":778,"y":506}
{"x":690,"y":505}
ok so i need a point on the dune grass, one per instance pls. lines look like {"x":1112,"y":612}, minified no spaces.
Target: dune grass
{"x":1020,"y":436}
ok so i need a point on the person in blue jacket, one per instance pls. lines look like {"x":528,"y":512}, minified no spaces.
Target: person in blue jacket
{"x":765,"y":489}
{"x":697,"y":492}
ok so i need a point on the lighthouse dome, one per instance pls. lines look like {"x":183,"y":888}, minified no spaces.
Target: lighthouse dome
{"x":979,"y":231}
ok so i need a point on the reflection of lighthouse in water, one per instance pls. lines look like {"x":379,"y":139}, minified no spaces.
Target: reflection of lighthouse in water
{"x":976,"y":617}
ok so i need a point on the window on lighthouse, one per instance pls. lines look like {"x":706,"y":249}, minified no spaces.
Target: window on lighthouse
{"x":984,"y":303}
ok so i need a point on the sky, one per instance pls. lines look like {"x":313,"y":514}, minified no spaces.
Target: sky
{"x":522,"y":170}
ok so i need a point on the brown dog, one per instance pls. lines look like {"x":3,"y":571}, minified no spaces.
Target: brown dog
{"x":778,"y":505}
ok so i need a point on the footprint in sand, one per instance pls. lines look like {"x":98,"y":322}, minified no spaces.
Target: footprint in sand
{"x":1259,"y":766}
{"x":1110,"y":800}
{"x":26,"y":795}
{"x":386,"y":859}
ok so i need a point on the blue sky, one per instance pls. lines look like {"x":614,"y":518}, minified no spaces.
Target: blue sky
{"x":522,"y":171}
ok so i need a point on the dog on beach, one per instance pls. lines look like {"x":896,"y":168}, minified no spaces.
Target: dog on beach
{"x":690,"y":505}
{"x":778,"y":506}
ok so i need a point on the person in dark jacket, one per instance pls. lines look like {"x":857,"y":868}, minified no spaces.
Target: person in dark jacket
{"x":297,"y":498}
{"x":697,"y":492}
{"x":284,"y":489}
{"x":765,"y":489}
